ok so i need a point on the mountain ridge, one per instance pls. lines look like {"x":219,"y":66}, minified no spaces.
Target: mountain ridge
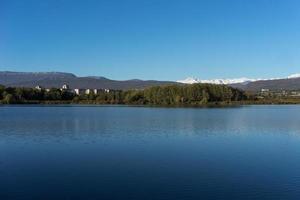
{"x":57,"y":79}
{"x":291,"y":82}
{"x":191,"y":80}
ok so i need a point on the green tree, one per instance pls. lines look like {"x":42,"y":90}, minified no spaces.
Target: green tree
{"x":9,"y":99}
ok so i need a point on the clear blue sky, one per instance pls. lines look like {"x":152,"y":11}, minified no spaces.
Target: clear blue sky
{"x":152,"y":39}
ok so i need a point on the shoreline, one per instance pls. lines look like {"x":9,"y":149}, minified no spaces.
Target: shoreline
{"x":208,"y":105}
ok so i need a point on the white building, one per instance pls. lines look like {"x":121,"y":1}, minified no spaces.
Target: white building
{"x":78,"y":91}
{"x":88,"y":91}
{"x":295,"y":94}
{"x":265,"y":90}
{"x":65,"y":87}
{"x":38,"y":87}
{"x":91,"y":91}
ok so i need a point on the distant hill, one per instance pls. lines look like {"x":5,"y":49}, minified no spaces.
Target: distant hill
{"x":57,"y":79}
{"x":291,"y":82}
{"x":276,"y":84}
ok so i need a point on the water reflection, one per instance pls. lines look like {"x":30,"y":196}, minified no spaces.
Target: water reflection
{"x":82,"y":152}
{"x":55,"y":121}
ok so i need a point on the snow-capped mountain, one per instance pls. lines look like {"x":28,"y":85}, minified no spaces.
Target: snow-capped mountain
{"x":294,"y":76}
{"x":191,"y":80}
{"x":243,"y":80}
{"x":216,"y":81}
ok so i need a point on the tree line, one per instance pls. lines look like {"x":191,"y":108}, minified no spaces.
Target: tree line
{"x":195,"y":94}
{"x":12,"y":95}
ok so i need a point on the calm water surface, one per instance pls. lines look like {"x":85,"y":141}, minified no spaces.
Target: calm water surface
{"x":140,"y":153}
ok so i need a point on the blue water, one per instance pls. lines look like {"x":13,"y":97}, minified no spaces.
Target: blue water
{"x":69,"y":152}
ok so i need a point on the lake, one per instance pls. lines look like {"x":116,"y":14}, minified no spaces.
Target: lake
{"x":119,"y":152}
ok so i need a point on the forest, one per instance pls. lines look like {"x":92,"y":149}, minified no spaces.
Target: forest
{"x":196,"y":94}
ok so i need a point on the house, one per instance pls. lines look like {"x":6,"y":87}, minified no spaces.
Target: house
{"x":264,"y":90}
{"x":78,"y":91}
{"x":88,"y":91}
{"x":295,"y":94}
{"x":38,"y":87}
{"x":65,"y":87}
